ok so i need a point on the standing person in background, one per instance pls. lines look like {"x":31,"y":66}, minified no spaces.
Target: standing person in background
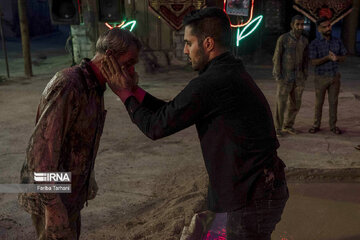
{"x":325,"y":53}
{"x":290,"y":72}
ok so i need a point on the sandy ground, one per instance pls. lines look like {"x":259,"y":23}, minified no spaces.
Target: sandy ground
{"x":150,"y":190}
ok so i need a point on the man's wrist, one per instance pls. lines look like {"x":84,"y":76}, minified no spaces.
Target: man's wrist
{"x":124,"y":94}
{"x":139,"y":93}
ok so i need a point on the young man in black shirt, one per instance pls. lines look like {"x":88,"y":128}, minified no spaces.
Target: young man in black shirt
{"x":233,"y":121}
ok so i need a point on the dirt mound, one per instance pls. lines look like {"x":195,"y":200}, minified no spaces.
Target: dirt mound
{"x":180,"y":196}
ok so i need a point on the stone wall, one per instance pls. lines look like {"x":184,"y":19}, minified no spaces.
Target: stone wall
{"x":83,"y":45}
{"x":84,"y":36}
{"x":178,"y":45}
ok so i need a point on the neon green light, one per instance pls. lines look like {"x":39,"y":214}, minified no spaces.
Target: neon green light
{"x":241,"y":36}
{"x":132,"y":23}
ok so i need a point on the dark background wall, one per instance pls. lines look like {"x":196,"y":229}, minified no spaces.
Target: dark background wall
{"x":277,"y":16}
{"x":38,"y":17}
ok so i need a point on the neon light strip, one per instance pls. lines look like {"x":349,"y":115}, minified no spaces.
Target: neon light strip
{"x":108,"y":25}
{"x":240,"y":36}
{"x":121,"y":24}
{"x":251,"y":15}
{"x":127,"y":24}
{"x":111,"y":27}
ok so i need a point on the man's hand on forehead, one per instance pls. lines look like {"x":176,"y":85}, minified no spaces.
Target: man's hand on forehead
{"x":118,"y":77}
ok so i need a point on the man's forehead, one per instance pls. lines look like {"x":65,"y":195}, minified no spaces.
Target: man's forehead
{"x":299,"y":21}
{"x":131,"y":55}
{"x":188,"y":34}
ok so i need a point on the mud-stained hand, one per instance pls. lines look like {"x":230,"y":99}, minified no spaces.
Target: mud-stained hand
{"x":57,"y":221}
{"x":117,"y":76}
{"x":63,"y":234}
{"x":93,"y":187}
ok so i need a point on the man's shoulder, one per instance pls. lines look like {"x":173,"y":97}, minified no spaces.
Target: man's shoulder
{"x":284,"y":36}
{"x":231,"y":64}
{"x":315,"y":42}
{"x":68,"y":79}
{"x":204,"y":80}
{"x":220,"y":73}
{"x":72,"y":74}
{"x":335,"y":39}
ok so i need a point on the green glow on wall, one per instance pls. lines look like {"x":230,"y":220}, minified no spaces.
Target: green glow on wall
{"x":122,"y":25}
{"x":132,"y":23}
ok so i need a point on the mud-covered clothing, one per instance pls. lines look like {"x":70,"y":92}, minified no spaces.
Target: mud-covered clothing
{"x":234,"y":125}
{"x":320,"y":48}
{"x":288,"y":97}
{"x":290,"y":72}
{"x":291,"y":58}
{"x":69,"y":123}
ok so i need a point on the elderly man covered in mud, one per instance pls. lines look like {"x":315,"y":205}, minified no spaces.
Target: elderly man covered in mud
{"x":233,"y":121}
{"x":69,"y":123}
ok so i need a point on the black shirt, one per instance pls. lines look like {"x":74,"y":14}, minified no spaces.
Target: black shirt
{"x":234,"y":124}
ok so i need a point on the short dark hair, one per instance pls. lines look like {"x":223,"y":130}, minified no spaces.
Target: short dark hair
{"x":210,"y":22}
{"x":297,"y":17}
{"x":117,"y":40}
{"x":321,"y":20}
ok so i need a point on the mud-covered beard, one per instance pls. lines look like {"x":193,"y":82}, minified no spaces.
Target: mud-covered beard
{"x":298,"y":32}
